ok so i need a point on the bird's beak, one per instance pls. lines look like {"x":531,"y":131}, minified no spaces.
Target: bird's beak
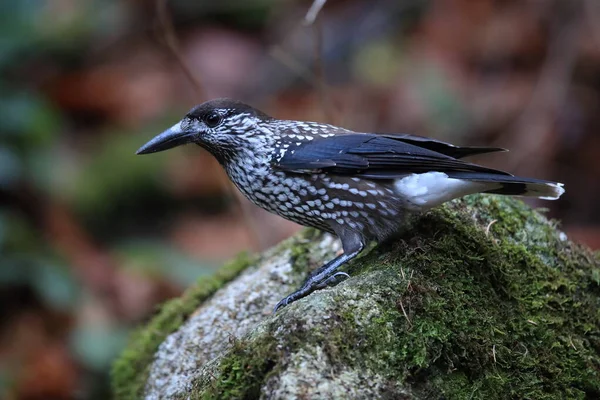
{"x":172,"y":137}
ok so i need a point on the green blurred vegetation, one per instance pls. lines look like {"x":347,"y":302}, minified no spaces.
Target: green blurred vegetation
{"x":51,"y":157}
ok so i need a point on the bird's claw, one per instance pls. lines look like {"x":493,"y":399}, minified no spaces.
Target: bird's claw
{"x":306,"y":290}
{"x":302,"y":292}
{"x":284,"y":302}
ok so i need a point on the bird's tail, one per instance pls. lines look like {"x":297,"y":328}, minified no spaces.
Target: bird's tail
{"x":515,"y":185}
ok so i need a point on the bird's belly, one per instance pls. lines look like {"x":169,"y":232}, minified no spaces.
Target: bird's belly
{"x":329,"y":202}
{"x":297,"y":198}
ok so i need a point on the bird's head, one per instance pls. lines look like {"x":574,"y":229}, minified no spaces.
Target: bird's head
{"x":221,"y":126}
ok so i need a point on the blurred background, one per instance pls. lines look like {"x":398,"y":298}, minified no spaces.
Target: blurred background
{"x":92,"y":237}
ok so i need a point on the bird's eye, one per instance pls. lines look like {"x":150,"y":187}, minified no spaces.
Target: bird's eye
{"x":213,"y":119}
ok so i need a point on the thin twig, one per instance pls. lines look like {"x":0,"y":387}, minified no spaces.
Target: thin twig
{"x":592,"y":13}
{"x":320,"y":70}
{"x":550,"y":91}
{"x":313,"y":11}
{"x":526,"y":351}
{"x":487,"y":229}
{"x":286,"y":59}
{"x":404,"y":312}
{"x":170,"y":40}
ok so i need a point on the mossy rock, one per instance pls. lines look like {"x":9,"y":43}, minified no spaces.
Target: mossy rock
{"x":483,"y":298}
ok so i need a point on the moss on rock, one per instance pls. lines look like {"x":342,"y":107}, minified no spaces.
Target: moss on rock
{"x":130,"y":371}
{"x":482,"y":298}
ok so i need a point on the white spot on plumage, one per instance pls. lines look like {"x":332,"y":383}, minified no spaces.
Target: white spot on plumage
{"x":434,"y":188}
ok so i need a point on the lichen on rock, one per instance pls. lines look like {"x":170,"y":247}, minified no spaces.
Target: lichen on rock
{"x":481,"y":298}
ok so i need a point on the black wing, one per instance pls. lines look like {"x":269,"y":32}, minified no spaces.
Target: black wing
{"x":377,"y":156}
{"x":443,"y":147}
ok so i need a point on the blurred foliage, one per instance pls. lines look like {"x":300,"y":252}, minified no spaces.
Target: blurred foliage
{"x":113,"y":184}
{"x":154,"y":258}
{"x":28,"y":261}
{"x":44,"y":160}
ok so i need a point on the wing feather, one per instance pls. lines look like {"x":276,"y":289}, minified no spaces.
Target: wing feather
{"x":444,"y":147}
{"x":373,"y":156}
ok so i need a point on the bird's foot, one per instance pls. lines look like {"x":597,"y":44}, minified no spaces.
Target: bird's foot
{"x":291,"y":298}
{"x":332,"y":280}
{"x":310,"y":287}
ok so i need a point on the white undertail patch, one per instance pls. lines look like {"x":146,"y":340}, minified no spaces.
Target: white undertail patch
{"x":431,"y":189}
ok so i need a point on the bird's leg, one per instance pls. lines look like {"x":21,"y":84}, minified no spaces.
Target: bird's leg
{"x":316,"y":280}
{"x":323,"y":275}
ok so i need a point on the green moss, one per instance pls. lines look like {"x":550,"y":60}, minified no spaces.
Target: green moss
{"x":242,"y":371}
{"x":499,"y":308}
{"x":490,"y":316}
{"x":130,"y":371}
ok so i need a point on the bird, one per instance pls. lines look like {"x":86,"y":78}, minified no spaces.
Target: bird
{"x":358,"y":186}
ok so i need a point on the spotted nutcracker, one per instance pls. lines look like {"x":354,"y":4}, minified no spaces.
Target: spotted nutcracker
{"x":358,"y":186}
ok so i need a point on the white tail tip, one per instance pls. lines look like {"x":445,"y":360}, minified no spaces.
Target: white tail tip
{"x":554,"y":191}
